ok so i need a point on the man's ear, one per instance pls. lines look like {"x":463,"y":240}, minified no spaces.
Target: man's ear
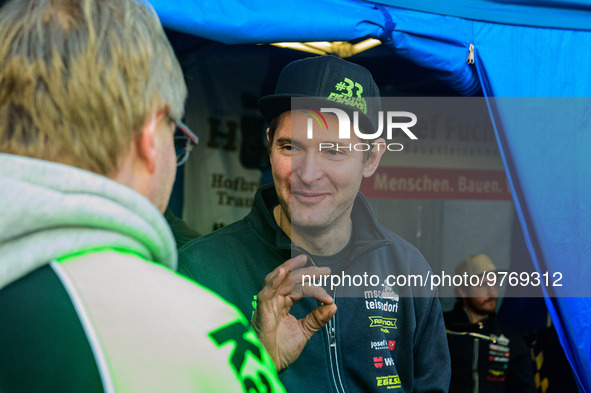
{"x":267,"y":132}
{"x":146,"y":142}
{"x":371,"y":164}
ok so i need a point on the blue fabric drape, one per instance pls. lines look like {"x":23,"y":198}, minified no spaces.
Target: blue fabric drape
{"x":566,"y":14}
{"x":547,"y":159}
{"x":544,"y":132}
{"x":262,"y":21}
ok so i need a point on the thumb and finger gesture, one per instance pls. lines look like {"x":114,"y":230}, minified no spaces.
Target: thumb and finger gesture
{"x":281,"y":333}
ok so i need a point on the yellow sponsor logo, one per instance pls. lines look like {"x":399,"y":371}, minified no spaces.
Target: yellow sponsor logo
{"x":389,"y":382}
{"x":383,"y":323}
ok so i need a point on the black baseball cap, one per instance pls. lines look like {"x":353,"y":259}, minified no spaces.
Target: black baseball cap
{"x":328,"y":82}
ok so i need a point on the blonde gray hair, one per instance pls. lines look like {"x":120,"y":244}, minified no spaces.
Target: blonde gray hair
{"x":78,"y":79}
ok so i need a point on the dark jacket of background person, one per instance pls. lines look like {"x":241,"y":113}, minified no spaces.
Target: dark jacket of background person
{"x":349,"y":354}
{"x":480,"y":365}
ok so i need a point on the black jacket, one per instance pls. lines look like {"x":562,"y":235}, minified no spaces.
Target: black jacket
{"x":379,"y":340}
{"x":494,"y":360}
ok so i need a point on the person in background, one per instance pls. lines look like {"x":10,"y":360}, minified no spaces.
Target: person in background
{"x":486,"y":356}
{"x":90,"y":97}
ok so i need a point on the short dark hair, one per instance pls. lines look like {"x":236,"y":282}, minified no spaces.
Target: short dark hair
{"x":273,"y":125}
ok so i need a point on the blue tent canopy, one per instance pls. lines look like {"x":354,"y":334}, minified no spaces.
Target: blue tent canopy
{"x":531,"y":60}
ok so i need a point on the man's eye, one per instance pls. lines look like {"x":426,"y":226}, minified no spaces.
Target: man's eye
{"x":288,"y":147}
{"x":334,"y":152}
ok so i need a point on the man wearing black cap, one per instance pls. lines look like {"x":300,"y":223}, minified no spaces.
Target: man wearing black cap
{"x":383,"y":338}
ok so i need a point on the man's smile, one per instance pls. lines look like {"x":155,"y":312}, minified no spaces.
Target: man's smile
{"x":309,"y":196}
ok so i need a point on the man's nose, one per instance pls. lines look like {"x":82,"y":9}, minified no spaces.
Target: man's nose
{"x":493,"y":291}
{"x":308,"y":168}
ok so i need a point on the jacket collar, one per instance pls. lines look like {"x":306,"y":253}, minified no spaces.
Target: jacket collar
{"x":460,"y":318}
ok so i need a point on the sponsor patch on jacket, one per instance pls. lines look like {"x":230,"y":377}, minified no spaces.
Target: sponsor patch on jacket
{"x":383,"y":323}
{"x":384,"y":344}
{"x":379,"y":361}
{"x":499,"y":353}
{"x":378,"y":345}
{"x":496,"y":373}
{"x":377,"y":304}
{"x":386,"y":293}
{"x":499,"y":348}
{"x":501,"y":340}
{"x":388,"y":382}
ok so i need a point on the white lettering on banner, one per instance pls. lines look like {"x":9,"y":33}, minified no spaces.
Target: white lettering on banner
{"x":410,"y":184}
{"x":435,"y":183}
{"x":478,"y":186}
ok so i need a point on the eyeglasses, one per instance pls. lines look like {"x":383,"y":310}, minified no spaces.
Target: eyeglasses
{"x":184,"y":140}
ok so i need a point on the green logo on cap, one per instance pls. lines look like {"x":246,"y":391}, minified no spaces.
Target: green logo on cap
{"x":345,"y":96}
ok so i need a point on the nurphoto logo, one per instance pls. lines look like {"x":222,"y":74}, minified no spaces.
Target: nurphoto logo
{"x":394,"y":120}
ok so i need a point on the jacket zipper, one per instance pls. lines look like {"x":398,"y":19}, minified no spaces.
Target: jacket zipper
{"x":333,"y":356}
{"x":332,"y":339}
{"x":330,"y":327}
{"x":475,"y":365}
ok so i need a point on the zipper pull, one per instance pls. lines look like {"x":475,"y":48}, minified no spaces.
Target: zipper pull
{"x":332,"y":337}
{"x":470,"y":59}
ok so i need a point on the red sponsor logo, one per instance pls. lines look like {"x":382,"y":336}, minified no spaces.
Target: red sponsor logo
{"x":378,"y":362}
{"x":391,"y":345}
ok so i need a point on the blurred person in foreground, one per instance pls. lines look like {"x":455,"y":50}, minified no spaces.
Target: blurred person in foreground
{"x":90,"y":98}
{"x":486,"y":356}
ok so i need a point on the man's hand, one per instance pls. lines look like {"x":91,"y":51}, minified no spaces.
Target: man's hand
{"x":281,"y":333}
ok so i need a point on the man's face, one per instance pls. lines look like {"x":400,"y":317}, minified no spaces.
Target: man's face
{"x":482,"y":300}
{"x":316,"y":189}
